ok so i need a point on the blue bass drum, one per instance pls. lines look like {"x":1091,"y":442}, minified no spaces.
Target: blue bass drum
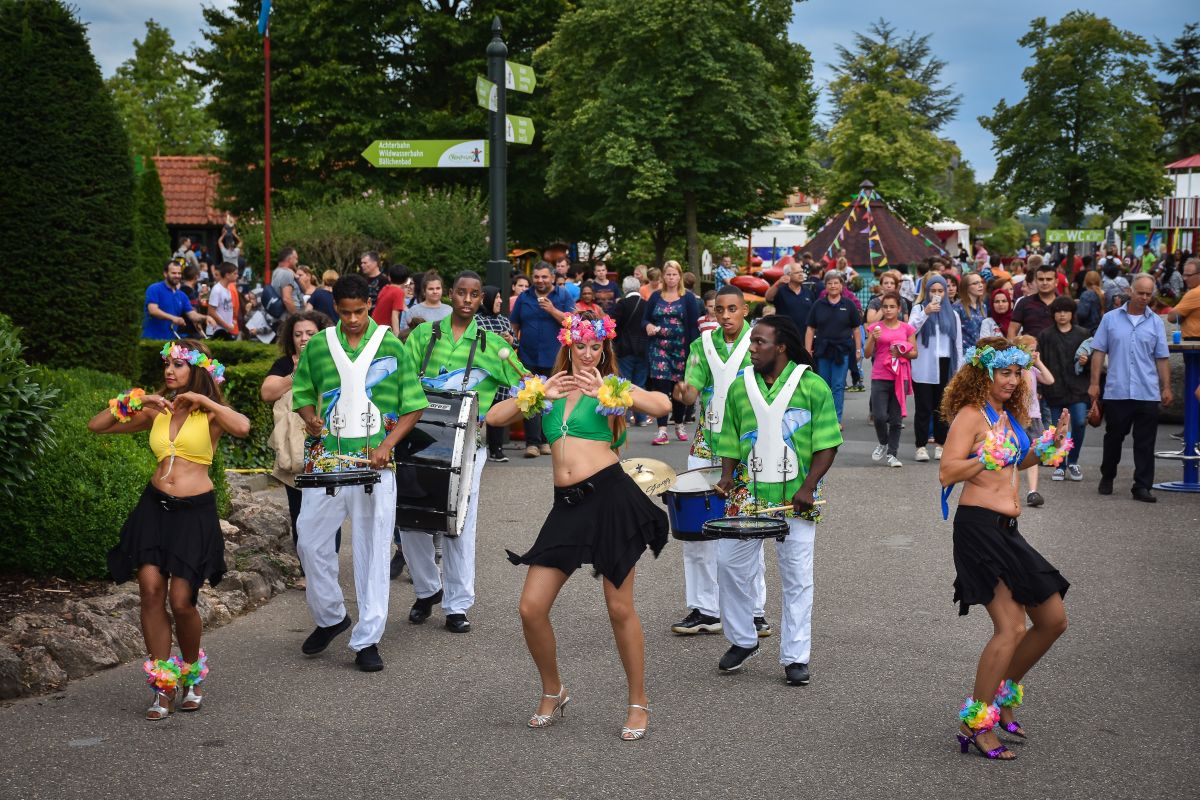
{"x":692,"y":501}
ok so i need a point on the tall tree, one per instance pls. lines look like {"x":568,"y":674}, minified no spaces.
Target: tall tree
{"x":883,"y":132}
{"x":1080,"y":138}
{"x":1179,"y":105}
{"x":151,"y":241}
{"x":160,"y":100}
{"x":914,"y":58}
{"x":68,"y":193}
{"x":668,"y":111}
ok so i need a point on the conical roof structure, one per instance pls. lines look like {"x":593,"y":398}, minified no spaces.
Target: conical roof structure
{"x":871,"y":235}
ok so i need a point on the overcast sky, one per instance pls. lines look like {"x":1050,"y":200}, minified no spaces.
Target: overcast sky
{"x":977,"y":40}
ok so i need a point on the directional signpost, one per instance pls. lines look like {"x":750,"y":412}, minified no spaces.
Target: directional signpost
{"x":413,"y":153}
{"x":519,"y":77}
{"x":518,"y":130}
{"x":485,"y":93}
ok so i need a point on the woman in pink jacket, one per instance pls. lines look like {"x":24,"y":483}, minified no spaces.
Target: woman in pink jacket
{"x":891,"y":344}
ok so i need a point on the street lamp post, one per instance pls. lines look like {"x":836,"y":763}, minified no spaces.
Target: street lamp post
{"x":497,"y":265}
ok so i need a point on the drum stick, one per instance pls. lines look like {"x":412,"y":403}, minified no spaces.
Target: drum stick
{"x":353,"y":459}
{"x":507,"y":354}
{"x":788,"y":507}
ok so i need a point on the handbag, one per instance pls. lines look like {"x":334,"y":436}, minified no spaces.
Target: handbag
{"x":287,"y":437}
{"x":1095,"y":414}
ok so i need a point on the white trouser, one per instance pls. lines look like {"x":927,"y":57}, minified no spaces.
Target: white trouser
{"x":458,"y":555}
{"x":737,"y":561}
{"x":700,"y":570}
{"x":372,"y":518}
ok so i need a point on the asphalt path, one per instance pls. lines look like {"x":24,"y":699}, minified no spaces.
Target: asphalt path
{"x":1110,"y":711}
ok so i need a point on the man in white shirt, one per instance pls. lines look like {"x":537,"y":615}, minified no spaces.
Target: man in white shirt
{"x":222,"y":310}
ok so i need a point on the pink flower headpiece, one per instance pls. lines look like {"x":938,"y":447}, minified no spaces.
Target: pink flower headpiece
{"x":173,"y":352}
{"x":577,"y":329}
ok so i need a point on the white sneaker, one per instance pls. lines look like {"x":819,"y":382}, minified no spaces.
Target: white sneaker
{"x":1060,"y":474}
{"x":922,"y":454}
{"x":1075,"y":472}
{"x":892,"y":461}
{"x":937,"y":453}
{"x":879,"y":452}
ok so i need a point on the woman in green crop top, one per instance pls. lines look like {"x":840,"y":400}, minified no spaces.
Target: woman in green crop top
{"x":172,"y":540}
{"x":600,"y":516}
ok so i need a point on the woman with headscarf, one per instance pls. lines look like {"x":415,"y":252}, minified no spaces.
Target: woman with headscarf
{"x":939,"y":352}
{"x":1000,"y":308}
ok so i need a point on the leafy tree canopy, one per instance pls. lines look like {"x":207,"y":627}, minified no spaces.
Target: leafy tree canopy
{"x":1179,"y":105}
{"x":670,"y":112}
{"x":161,"y":102}
{"x":914,"y":58}
{"x":1078,"y":139}
{"x":882,"y":134}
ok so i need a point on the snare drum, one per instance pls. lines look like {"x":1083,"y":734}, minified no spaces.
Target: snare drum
{"x":746,"y":528}
{"x":435,"y":462}
{"x":332,"y":481}
{"x":692,"y":501}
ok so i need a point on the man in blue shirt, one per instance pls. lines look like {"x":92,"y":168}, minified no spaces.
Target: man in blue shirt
{"x":1139,"y":377}
{"x":167,"y":306}
{"x":537,"y":318}
{"x":793,"y":295}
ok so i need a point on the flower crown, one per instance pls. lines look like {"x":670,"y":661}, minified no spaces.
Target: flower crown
{"x":991,"y":359}
{"x":577,"y":329}
{"x":173,"y":352}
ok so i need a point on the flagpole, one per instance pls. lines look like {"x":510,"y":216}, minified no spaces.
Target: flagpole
{"x":267,"y":156}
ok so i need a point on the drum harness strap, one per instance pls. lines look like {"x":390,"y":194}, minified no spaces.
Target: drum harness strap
{"x":758,"y":402}
{"x":433,"y":340}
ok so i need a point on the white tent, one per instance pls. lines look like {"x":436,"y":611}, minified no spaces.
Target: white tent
{"x":775,"y":240}
{"x":960,"y":235}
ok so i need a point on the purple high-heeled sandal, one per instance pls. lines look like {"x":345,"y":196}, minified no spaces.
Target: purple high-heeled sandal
{"x":979,"y":717}
{"x":965,"y":742}
{"x":1010,"y":694}
{"x":1014,"y":728}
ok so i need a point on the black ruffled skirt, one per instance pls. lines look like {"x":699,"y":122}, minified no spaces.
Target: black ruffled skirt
{"x":179,"y":535}
{"x":989,"y":547}
{"x":606,"y":521}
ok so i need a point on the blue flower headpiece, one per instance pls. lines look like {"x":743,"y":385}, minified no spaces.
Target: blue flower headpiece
{"x":991,"y":359}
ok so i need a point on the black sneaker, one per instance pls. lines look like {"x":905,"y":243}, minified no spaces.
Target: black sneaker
{"x":696,"y":622}
{"x":498,"y":456}
{"x":735,"y":657}
{"x":397,"y":564}
{"x":1105,"y":486}
{"x":421,"y":609}
{"x":458,"y":623}
{"x":797,"y":674}
{"x":762,"y":626}
{"x":368,"y":659}
{"x":1034,"y":499}
{"x":320,"y":638}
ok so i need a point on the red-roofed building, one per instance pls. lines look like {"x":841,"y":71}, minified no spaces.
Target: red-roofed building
{"x":190,"y":192}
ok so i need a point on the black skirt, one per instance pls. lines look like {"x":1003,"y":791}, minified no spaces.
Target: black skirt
{"x":989,"y":547}
{"x":606,"y":521}
{"x":179,"y":535}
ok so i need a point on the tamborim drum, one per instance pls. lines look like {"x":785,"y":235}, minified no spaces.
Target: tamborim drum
{"x":434,"y":464}
{"x":745,"y":528}
{"x":692,"y":501}
{"x":332,"y":481}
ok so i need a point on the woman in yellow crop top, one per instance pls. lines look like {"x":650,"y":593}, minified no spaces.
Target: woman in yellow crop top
{"x":172,"y":539}
{"x":600,"y":516}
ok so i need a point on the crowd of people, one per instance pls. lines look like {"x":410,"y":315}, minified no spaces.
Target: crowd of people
{"x":1034,"y":348}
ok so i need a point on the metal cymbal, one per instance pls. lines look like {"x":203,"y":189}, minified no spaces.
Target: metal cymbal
{"x":653,"y":477}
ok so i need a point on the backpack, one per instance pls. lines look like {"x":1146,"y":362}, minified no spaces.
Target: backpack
{"x":272,"y":302}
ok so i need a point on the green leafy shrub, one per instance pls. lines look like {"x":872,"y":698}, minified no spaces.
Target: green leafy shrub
{"x":440,"y":229}
{"x":242,"y":383}
{"x":66,"y":230}
{"x":66,"y":519}
{"x":25,"y":409}
{"x":149,"y":371}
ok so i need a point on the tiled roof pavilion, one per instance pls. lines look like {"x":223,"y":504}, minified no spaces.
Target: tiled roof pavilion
{"x":190,"y":190}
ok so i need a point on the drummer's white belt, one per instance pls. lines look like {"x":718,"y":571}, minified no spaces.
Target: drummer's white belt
{"x":354,"y":416}
{"x":772,"y":461}
{"x":723,"y":373}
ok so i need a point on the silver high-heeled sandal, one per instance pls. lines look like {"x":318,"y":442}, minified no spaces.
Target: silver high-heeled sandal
{"x":633,"y":734}
{"x":545,"y":720}
{"x":162,"y":707}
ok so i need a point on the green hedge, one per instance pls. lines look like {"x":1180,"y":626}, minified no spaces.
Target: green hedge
{"x":65,"y":520}
{"x":242,"y":383}
{"x":25,"y":404}
{"x":150,"y":364}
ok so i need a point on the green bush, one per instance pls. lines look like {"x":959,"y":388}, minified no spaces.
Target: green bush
{"x":149,"y":372}
{"x":25,"y":408}
{"x":66,"y":519}
{"x":440,"y":229}
{"x":242,"y":383}
{"x":66,"y":230}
